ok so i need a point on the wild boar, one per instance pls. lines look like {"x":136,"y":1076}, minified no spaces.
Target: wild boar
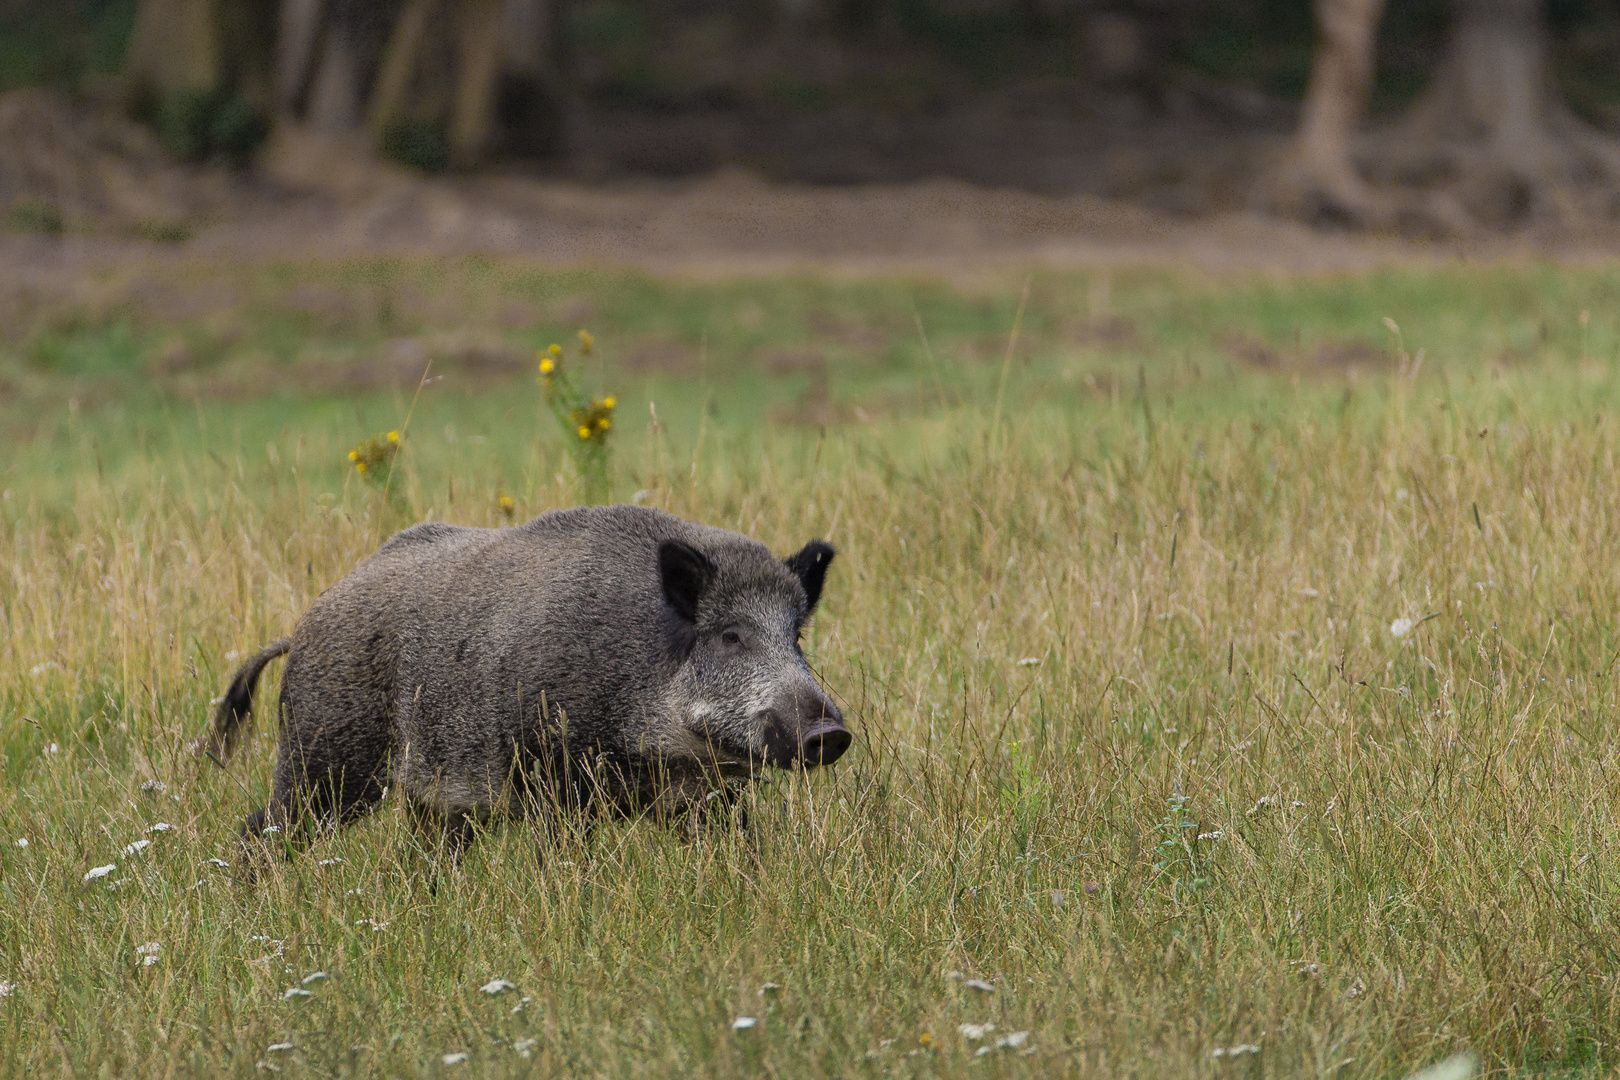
{"x":606,"y":656}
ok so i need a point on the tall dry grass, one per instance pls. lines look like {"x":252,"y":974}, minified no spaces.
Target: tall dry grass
{"x":1284,"y":733}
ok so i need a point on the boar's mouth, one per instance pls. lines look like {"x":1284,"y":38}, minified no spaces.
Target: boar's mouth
{"x":820,"y":743}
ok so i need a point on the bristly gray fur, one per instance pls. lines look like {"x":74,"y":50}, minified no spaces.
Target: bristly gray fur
{"x":609,"y":654}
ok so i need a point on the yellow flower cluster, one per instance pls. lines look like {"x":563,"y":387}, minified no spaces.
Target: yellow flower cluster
{"x":586,"y":422}
{"x":375,"y":455}
{"x":507,"y":504}
{"x":595,"y":420}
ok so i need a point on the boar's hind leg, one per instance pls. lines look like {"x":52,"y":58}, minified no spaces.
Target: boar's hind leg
{"x":332,"y":764}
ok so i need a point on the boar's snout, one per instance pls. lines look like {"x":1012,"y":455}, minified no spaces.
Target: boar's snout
{"x":823,"y":738}
{"x":824,"y":743}
{"x":809,"y":732}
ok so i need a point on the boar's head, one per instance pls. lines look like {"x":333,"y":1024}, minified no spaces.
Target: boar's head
{"x":744,"y":695}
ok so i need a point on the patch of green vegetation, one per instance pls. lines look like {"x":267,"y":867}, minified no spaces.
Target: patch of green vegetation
{"x":163,"y":232}
{"x":35,"y":216}
{"x":419,"y":144}
{"x":197,"y":125}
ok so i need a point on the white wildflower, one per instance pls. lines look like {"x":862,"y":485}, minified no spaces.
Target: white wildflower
{"x":1400,"y":627}
{"x":1240,"y":1050}
{"x":974,"y":1032}
{"x":743,"y":1023}
{"x":22,"y":841}
{"x":330,"y":862}
{"x":277,"y":1048}
{"x":980,"y":985}
{"x":1030,"y":661}
{"x":137,"y":847}
{"x":156,"y":786}
{"x":269,"y":829}
{"x":314,"y":977}
{"x":496,"y":986}
{"x":455,"y":1059}
{"x":53,"y":749}
{"x":100,"y":871}
{"x":220,"y":863}
{"x":1013,"y":1041}
{"x":160,"y":827}
{"x":295,"y":992}
{"x":1216,"y":835}
{"x":1455,"y":1067}
{"x":525,"y":1047}
{"x":151,"y":948}
{"x":7,"y":989}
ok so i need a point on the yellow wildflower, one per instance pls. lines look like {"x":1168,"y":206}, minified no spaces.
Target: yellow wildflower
{"x":610,"y":402}
{"x":360,"y":468}
{"x":547,"y":367}
{"x":393,"y":436}
{"x":584,"y":432}
{"x":586,"y":342}
{"x":604,"y":423}
{"x":555,"y":350}
{"x":507,"y":504}
{"x":926,"y":1039}
{"x":354,"y":455}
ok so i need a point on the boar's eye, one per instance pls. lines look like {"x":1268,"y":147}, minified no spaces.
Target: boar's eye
{"x":731,"y":637}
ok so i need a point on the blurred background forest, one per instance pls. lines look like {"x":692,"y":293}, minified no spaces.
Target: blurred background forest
{"x":1449,"y":118}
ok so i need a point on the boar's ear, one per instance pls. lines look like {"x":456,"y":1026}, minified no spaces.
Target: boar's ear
{"x":810,"y":567}
{"x":685,"y":573}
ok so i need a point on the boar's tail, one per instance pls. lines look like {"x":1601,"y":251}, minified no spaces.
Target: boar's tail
{"x":237,"y":704}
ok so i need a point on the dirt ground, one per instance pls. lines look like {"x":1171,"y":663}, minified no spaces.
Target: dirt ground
{"x":119,"y":200}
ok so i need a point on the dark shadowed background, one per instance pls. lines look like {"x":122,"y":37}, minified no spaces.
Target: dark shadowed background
{"x":1452,"y":118}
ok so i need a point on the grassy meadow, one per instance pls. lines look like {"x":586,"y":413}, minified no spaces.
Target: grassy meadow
{"x":1232,"y":675}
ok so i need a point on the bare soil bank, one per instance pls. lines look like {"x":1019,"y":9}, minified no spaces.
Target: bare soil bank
{"x":84,"y":191}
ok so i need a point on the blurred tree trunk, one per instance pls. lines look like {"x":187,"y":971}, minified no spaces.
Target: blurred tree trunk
{"x":390,"y":96}
{"x":478,"y":66}
{"x":483,"y":71}
{"x":297,"y":39}
{"x":173,"y":46}
{"x":1490,"y":142}
{"x":202,"y":46}
{"x":1492,"y":132}
{"x":1319,"y":178}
